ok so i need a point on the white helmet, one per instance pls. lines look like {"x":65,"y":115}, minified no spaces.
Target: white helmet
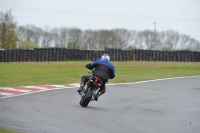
{"x":105,"y":57}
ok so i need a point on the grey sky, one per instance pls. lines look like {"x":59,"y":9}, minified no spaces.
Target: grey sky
{"x":179,"y":15}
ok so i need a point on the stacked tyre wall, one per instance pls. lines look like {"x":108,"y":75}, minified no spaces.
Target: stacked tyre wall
{"x":63,"y":54}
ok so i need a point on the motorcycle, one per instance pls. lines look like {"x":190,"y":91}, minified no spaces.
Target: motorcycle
{"x":90,"y":90}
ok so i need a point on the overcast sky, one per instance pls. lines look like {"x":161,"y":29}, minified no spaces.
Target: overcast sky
{"x":179,"y":15}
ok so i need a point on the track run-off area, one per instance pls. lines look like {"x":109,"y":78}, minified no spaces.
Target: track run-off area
{"x":170,"y":105}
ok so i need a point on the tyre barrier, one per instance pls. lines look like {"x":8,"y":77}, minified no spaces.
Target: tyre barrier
{"x":64,"y":54}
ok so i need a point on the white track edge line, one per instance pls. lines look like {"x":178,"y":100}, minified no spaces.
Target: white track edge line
{"x":153,"y":80}
{"x":146,"y":81}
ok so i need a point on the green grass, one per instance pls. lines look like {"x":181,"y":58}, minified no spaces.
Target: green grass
{"x":40,"y":73}
{"x":7,"y":131}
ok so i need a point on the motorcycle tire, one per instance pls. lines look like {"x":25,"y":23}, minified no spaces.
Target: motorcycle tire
{"x":86,"y":99}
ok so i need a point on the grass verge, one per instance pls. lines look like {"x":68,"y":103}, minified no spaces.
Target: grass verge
{"x":40,"y":73}
{"x":7,"y":131}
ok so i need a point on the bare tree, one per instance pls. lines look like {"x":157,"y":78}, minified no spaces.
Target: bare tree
{"x":37,"y":34}
{"x":146,"y":38}
{"x":197,"y":47}
{"x":74,"y":37}
{"x":46,"y":38}
{"x":55,"y":37}
{"x":135,"y":41}
{"x":122,"y":37}
{"x":21,"y":31}
{"x":184,"y":41}
{"x":171,"y":39}
{"x":60,"y":37}
{"x":89,"y":40}
{"x":63,"y":37}
{"x":192,"y":45}
{"x":30,"y":33}
{"x":105,"y":38}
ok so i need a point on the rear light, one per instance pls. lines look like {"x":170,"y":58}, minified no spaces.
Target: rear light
{"x":96,"y":80}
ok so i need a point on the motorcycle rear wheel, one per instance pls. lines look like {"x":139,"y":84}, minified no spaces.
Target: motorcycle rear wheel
{"x":86,"y":99}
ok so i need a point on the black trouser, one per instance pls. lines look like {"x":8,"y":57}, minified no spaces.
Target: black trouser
{"x":85,"y":79}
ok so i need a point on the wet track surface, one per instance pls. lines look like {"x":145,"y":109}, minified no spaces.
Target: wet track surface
{"x":165,"y":106}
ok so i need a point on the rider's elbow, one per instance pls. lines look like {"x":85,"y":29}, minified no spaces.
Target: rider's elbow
{"x":111,"y":77}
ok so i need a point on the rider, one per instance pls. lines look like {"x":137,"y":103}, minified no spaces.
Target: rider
{"x":104,"y":69}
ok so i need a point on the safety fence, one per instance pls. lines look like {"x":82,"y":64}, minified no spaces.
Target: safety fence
{"x":63,"y":54}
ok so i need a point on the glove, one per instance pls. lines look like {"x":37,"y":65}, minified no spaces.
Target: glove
{"x":88,"y":66}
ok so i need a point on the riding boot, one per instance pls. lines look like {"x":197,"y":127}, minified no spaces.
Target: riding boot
{"x":97,"y":96}
{"x":81,"y":87}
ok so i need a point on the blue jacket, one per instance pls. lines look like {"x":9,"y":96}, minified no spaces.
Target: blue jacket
{"x":103,"y":69}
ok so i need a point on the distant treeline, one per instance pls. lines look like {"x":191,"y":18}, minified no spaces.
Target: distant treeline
{"x":29,"y":36}
{"x":63,"y":54}
{"x":75,"y":38}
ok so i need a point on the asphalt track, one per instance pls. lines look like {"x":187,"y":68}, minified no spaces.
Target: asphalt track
{"x":162,"y":106}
